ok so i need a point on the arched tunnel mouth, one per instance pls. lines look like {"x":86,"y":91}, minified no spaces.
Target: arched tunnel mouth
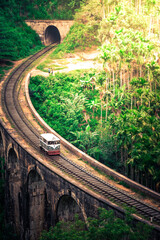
{"x":52,"y":35}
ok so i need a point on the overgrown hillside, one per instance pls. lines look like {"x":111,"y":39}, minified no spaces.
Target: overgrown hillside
{"x":121,"y":103}
{"x":97,"y":21}
{"x":17,"y":40}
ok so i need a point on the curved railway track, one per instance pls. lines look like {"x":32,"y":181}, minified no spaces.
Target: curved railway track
{"x":30,"y":134}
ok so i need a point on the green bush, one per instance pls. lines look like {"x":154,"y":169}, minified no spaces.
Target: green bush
{"x":105,"y":227}
{"x":17,"y":39}
{"x":80,"y":36}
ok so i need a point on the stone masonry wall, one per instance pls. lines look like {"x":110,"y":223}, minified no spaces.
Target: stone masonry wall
{"x":40,"y":27}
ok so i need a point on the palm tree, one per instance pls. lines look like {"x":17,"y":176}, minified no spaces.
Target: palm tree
{"x":107,"y":93}
{"x":94,"y":105}
{"x":103,"y":8}
{"x":85,"y":140}
{"x":85,"y":83}
{"x":100,"y":81}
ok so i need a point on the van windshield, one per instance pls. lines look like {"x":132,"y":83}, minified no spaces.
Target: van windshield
{"x":53,"y":142}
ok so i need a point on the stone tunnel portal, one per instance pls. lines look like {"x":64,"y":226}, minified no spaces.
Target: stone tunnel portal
{"x":52,"y":35}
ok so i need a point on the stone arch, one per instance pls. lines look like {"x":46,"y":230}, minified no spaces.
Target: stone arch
{"x":1,"y":146}
{"x":35,"y":203}
{"x":36,"y":169}
{"x":51,"y":35}
{"x":67,"y":207}
{"x":2,"y":169}
{"x":1,"y":140}
{"x":12,"y":155}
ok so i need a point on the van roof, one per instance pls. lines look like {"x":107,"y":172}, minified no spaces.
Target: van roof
{"x":49,"y":137}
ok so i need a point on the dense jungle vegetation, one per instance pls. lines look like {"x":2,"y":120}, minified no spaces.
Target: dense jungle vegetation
{"x":106,"y":227}
{"x":113,"y":115}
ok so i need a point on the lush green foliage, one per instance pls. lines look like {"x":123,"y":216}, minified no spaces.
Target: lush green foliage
{"x":97,"y":22}
{"x":63,"y":9}
{"x":131,"y":90}
{"x":80,"y":36}
{"x":106,"y":227}
{"x":17,"y":40}
{"x":59,"y":102}
{"x":4,"y":66}
{"x":115,"y":125}
{"x":37,"y":9}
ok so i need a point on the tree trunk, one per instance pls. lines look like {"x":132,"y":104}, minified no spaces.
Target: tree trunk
{"x":113,"y":84}
{"x":101,"y":112}
{"x":139,"y":6}
{"x":124,"y":79}
{"x":106,"y":108}
{"x":131,"y":73}
{"x":140,"y":69}
{"x":103,"y":9}
{"x":131,"y":101}
{"x":158,"y":27}
{"x":150,"y":25}
{"x":121,"y":78}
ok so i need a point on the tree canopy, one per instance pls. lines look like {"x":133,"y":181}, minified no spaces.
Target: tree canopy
{"x":105,"y":227}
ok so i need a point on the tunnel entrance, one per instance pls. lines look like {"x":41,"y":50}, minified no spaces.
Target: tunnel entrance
{"x":52,"y":35}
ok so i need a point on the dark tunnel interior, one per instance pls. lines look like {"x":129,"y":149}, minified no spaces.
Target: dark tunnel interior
{"x":52,"y":35}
